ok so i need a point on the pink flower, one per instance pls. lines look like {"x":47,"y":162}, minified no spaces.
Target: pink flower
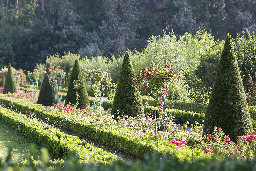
{"x":243,"y":137}
{"x":251,"y":137}
{"x":207,"y":149}
{"x":196,"y":134}
{"x":227,"y":138}
{"x":215,"y":127}
{"x":151,"y":132}
{"x":179,"y":143}
{"x":124,"y":122}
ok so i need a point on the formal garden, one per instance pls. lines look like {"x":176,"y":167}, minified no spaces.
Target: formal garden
{"x":181,"y":104}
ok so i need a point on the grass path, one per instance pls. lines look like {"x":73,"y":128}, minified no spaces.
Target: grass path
{"x":11,"y":139}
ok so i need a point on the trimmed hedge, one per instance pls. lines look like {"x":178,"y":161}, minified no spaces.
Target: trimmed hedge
{"x":154,"y":162}
{"x":58,"y":143}
{"x":179,"y":116}
{"x":228,"y":107}
{"x":120,"y":138}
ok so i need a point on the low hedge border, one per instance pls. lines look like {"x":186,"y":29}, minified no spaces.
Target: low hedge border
{"x":116,"y":137}
{"x":58,"y":143}
{"x":179,"y":116}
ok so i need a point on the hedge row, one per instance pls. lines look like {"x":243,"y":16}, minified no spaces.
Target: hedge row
{"x":154,"y":162}
{"x":58,"y":143}
{"x":178,"y":116}
{"x":181,"y":116}
{"x":118,"y":137}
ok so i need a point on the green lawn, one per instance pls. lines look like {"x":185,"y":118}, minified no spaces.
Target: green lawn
{"x":11,"y":139}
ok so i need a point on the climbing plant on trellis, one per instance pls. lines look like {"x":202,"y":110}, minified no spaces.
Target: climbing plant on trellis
{"x":154,"y":81}
{"x":100,"y":81}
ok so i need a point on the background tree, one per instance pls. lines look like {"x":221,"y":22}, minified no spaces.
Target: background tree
{"x":9,"y":84}
{"x":46,"y":96}
{"x":228,"y":107}
{"x":126,"y":100}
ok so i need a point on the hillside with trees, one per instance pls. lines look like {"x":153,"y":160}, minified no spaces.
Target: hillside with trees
{"x":32,"y":30}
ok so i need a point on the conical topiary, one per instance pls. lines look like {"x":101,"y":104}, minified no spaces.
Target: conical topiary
{"x":126,"y":99}
{"x":46,"y":96}
{"x":9,"y":84}
{"x":76,"y":95}
{"x":228,"y":108}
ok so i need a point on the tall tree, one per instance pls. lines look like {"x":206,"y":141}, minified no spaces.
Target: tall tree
{"x":62,"y":31}
{"x":228,"y":107}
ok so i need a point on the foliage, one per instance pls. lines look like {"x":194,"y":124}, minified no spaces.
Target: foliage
{"x":77,"y":93}
{"x":65,"y":62}
{"x":123,"y":135}
{"x":126,"y":99}
{"x":130,"y":132}
{"x":154,"y":82}
{"x":228,"y":108}
{"x":59,"y":144}
{"x":9,"y":84}
{"x":100,"y":83}
{"x":46,"y":95}
{"x":245,"y":51}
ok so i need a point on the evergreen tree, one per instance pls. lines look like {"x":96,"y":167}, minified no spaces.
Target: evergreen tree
{"x":76,"y":94}
{"x":126,"y":100}
{"x":47,"y":95}
{"x":228,"y":108}
{"x":9,"y":84}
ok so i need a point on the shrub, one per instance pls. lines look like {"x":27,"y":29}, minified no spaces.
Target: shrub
{"x":9,"y":84}
{"x":126,"y":99}
{"x":76,"y":88}
{"x":47,"y":95}
{"x":228,"y":108}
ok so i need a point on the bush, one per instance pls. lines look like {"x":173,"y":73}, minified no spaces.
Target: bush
{"x":228,"y":107}
{"x":76,"y":89}
{"x":9,"y":84}
{"x":126,"y":99}
{"x":47,"y":95}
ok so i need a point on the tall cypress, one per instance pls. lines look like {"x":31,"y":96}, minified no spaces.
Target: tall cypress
{"x":228,"y":108}
{"x":9,"y":84}
{"x":76,"y":94}
{"x":126,"y":99}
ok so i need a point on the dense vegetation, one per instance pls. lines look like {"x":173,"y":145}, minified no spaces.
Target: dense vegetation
{"x":228,"y":108}
{"x":174,"y":52}
{"x":31,"y":30}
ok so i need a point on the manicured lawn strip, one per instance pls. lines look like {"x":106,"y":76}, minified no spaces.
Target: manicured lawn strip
{"x":119,"y":137}
{"x":58,"y":143}
{"x":20,"y":146}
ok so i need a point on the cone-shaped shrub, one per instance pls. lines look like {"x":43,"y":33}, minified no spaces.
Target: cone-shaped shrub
{"x":126,"y":99}
{"x":76,"y":94}
{"x":46,"y":96}
{"x":228,"y":108}
{"x":83,"y":99}
{"x":9,"y":84}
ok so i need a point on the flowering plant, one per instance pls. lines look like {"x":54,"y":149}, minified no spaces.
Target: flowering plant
{"x":154,"y":81}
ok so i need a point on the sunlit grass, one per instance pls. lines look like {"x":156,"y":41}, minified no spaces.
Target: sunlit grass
{"x":11,"y":139}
